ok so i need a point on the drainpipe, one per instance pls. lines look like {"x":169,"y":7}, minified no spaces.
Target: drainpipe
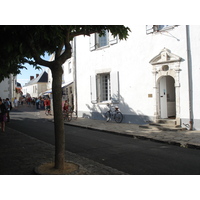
{"x":189,"y":65}
{"x":75,"y":78}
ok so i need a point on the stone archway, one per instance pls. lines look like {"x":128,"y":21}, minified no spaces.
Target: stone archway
{"x":166,"y":64}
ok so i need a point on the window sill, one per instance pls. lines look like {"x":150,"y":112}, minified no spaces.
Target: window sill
{"x":104,"y":47}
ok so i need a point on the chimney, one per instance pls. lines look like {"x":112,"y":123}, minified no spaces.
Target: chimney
{"x":37,"y":75}
{"x":31,"y":78}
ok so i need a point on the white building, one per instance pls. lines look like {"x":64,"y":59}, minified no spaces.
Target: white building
{"x":68,"y":77}
{"x":8,"y":88}
{"x":36,"y":85}
{"x":152,"y":75}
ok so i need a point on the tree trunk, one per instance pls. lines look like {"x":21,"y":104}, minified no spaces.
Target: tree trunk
{"x":57,"y":72}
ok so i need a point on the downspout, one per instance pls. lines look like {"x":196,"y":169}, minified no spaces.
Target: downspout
{"x":75,"y":78}
{"x":189,"y":65}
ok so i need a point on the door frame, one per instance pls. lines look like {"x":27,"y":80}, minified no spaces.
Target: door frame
{"x":163,"y":96}
{"x":166,"y":64}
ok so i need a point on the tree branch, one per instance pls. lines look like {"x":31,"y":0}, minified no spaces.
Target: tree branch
{"x":67,"y":52}
{"x":38,"y":59}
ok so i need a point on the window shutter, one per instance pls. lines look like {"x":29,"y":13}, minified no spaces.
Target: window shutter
{"x":93,"y":90}
{"x":114,"y":79}
{"x":112,"y":39}
{"x":92,"y":42}
{"x":149,"y":29}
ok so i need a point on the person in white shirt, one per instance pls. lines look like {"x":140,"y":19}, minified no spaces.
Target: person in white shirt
{"x":15,"y":102}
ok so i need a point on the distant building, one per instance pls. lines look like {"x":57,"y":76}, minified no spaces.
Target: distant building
{"x":36,"y":85}
{"x":68,"y":77}
{"x":7,"y":87}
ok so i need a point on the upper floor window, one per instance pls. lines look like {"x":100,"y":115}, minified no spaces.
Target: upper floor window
{"x":69,"y":67}
{"x":105,"y":40}
{"x":102,"y":40}
{"x":158,"y":28}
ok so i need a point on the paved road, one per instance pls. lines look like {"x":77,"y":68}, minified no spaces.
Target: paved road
{"x":126,"y":154}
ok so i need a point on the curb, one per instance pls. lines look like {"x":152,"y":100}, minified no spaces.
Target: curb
{"x":180,"y":144}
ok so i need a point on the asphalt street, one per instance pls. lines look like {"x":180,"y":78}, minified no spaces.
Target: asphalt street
{"x":132,"y":156}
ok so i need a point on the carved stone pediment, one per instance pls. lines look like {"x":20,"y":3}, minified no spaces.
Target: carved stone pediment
{"x":165,"y":56}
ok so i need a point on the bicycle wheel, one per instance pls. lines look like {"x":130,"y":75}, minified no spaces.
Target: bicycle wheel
{"x":64,"y":116}
{"x":74,"y":115}
{"x":69,"y":117}
{"x":118,"y":117}
{"x":107,"y":116}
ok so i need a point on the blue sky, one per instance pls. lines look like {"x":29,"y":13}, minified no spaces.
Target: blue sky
{"x":24,"y":77}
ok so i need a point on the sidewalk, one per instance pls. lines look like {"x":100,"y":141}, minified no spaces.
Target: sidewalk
{"x":183,"y":138}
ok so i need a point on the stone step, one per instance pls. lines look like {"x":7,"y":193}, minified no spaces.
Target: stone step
{"x":171,"y":122}
{"x":171,"y":128}
{"x":167,"y":125}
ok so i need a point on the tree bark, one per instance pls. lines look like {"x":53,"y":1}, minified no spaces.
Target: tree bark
{"x":57,"y":72}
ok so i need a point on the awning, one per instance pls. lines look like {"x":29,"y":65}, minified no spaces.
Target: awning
{"x":67,"y":84}
{"x":47,"y":92}
{"x":50,"y":91}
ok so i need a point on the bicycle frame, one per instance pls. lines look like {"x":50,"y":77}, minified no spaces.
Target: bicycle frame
{"x":113,"y":113}
{"x":69,"y":114}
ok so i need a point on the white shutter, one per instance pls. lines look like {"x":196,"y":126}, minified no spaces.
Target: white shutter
{"x":149,"y":29}
{"x":92,"y":42}
{"x":93,"y":90}
{"x":112,"y":39}
{"x":114,"y":81}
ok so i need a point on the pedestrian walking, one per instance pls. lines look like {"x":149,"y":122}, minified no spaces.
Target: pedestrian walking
{"x":47,"y":105}
{"x":2,"y":115}
{"x":37,"y":103}
{"x":15,"y":102}
{"x":8,"y":108}
{"x":29,"y":101}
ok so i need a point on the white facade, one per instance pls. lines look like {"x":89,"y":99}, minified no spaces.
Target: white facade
{"x":36,"y":86}
{"x":7,"y":88}
{"x":68,"y":89}
{"x":146,"y":75}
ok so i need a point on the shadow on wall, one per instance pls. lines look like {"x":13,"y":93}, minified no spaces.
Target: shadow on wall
{"x":97,"y":111}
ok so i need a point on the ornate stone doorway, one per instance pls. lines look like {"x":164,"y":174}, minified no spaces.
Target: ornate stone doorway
{"x":166,"y":69}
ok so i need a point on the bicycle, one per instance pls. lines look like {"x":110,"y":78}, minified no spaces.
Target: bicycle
{"x":48,"y":110}
{"x":74,"y":114}
{"x":67,"y":116}
{"x":115,"y":113}
{"x":187,"y":126}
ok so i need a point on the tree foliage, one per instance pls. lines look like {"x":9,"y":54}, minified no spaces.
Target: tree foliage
{"x":26,"y":44}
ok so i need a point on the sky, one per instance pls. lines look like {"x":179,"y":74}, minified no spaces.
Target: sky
{"x":24,"y":77}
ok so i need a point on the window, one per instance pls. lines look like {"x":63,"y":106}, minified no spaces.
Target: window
{"x":103,"y":40}
{"x":69,"y":67}
{"x":105,"y":87}
{"x":97,"y":42}
{"x":158,"y":28}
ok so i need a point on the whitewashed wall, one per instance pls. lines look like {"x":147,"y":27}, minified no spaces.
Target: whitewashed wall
{"x":131,"y":59}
